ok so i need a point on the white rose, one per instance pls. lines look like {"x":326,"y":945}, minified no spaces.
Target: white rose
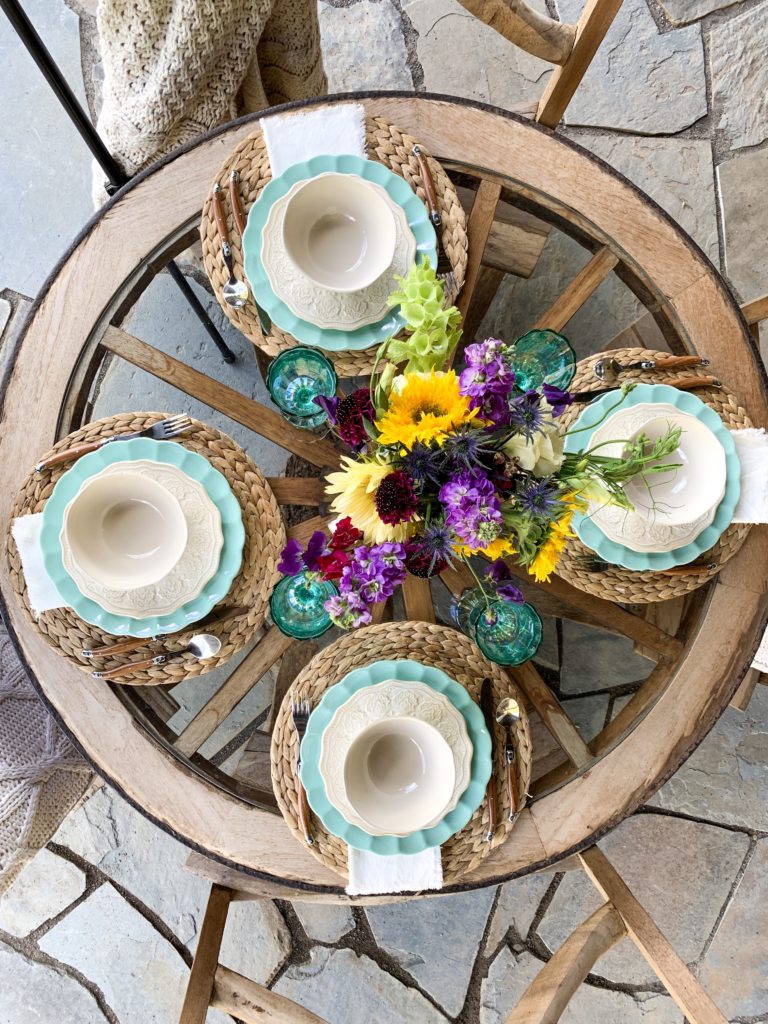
{"x":543,"y":454}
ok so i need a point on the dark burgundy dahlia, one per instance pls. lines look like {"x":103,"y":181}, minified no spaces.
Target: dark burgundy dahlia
{"x":396,"y":501}
{"x":350,"y":413}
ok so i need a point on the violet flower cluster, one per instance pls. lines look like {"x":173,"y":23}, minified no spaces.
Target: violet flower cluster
{"x":472,"y":508}
{"x":372,"y":575}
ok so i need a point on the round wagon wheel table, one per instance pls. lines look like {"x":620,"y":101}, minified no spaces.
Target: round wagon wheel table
{"x":698,"y":658}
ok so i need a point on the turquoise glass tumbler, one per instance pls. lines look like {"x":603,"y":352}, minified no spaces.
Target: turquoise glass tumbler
{"x":543,"y":357}
{"x":295,"y":378}
{"x":296,"y":605}
{"x":506,"y":633}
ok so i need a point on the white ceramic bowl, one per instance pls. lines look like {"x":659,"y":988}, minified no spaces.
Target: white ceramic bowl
{"x":684,"y":494}
{"x":339,"y":232}
{"x":399,"y":775}
{"x":124,"y":529}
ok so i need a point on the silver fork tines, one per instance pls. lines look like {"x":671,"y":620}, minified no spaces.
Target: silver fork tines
{"x":171,"y":427}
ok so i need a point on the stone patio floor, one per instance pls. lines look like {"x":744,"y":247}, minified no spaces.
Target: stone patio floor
{"x":101,"y":926}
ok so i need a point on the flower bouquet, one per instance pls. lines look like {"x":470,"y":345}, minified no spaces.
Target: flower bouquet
{"x":445,"y":466}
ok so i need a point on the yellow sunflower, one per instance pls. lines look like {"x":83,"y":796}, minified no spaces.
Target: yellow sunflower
{"x":426,"y":409}
{"x":496,"y":549}
{"x":545,"y":562}
{"x":355,"y":488}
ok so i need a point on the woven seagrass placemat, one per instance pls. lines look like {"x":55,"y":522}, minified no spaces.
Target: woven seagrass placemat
{"x":430,"y":644}
{"x":235,"y":620}
{"x":626,"y":586}
{"x":385,"y":143}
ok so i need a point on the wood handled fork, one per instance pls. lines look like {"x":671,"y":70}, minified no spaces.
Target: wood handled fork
{"x":444,"y":266}
{"x":300,"y":712}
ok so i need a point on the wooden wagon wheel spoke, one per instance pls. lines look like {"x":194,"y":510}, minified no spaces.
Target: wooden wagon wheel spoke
{"x":207,"y":720}
{"x":417,"y":595}
{"x":298,"y":490}
{"x":609,"y":615}
{"x":570,"y":301}
{"x":303,"y":531}
{"x":554,"y":717}
{"x":478,"y":229}
{"x":263,"y":420}
{"x":381,"y":612}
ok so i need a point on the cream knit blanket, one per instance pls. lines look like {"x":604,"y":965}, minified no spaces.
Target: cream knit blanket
{"x":174,"y":69}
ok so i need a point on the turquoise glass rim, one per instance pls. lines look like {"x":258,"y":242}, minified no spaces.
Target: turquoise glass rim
{"x":480,"y":770}
{"x":643,"y":561}
{"x":196,"y":467}
{"x":302,"y":330}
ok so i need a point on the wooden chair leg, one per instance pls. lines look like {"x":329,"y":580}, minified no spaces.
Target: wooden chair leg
{"x":551,"y":990}
{"x":254,"y":1004}
{"x":201,"y":978}
{"x":646,"y":935}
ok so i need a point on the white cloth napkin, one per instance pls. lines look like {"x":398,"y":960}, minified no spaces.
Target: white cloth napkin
{"x":41,"y":590}
{"x":752,"y":449}
{"x":413,"y":872}
{"x":294,"y":138}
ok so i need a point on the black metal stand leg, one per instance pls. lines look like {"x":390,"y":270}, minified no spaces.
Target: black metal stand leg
{"x":202,"y":314}
{"x":26,"y":31}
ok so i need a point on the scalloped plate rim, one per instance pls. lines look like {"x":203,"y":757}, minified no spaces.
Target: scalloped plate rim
{"x":617,"y":554}
{"x":470,"y":800}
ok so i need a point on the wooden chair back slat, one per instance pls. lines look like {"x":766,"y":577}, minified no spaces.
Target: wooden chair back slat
{"x":548,"y":995}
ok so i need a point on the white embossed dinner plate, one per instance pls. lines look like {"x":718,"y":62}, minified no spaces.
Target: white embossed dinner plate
{"x":330,"y":310}
{"x":393,"y":698}
{"x":644,"y":530}
{"x":195,"y":567}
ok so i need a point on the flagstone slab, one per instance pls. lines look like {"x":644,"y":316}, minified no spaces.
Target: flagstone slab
{"x":45,"y":166}
{"x":640,"y":80}
{"x":739,"y":73}
{"x":745,"y":220}
{"x":344,"y":988}
{"x":436,"y":941}
{"x":142,"y":976}
{"x":725,"y":779}
{"x":46,"y":886}
{"x":363,"y":47}
{"x":516,"y":909}
{"x":324,"y":922}
{"x":34,"y":993}
{"x":680,"y":871}
{"x":462,"y":56}
{"x":735,"y":969}
{"x":510,"y":976}
{"x":678,"y":174}
{"x":683,"y":12}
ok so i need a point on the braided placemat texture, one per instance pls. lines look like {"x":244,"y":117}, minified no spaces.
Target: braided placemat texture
{"x":235,"y":620}
{"x":624,"y":585}
{"x":384,"y":143}
{"x":429,"y":644}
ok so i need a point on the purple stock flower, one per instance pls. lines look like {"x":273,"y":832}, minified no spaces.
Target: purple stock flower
{"x":348,"y":610}
{"x":374,"y":572}
{"x":316,"y":546}
{"x":483,"y":353}
{"x":499,"y":572}
{"x":472,"y":508}
{"x":558,"y":400}
{"x":329,"y":404}
{"x":290,"y":559}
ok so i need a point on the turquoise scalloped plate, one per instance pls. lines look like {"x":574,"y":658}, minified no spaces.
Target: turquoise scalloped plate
{"x":307,"y":333}
{"x":610,"y":551}
{"x":193,"y":465}
{"x":480,"y":770}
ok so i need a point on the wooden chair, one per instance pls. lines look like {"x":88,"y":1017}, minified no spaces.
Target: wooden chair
{"x":516,"y":239}
{"x":570,"y":47}
{"x":543,"y":1002}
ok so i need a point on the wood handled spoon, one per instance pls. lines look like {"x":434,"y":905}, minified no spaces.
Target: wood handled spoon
{"x":203,"y":645}
{"x":507,"y":714}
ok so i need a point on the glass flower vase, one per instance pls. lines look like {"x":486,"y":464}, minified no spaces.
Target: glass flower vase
{"x":295,"y":378}
{"x":507,"y":633}
{"x":543,"y":357}
{"x":296,"y":605}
